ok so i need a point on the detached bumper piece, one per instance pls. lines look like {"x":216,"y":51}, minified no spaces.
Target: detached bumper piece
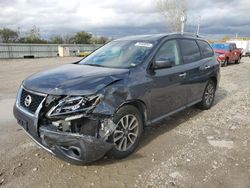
{"x":74,"y":148}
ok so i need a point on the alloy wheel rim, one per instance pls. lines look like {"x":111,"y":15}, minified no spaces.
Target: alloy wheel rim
{"x":209,"y":94}
{"x":126,"y":132}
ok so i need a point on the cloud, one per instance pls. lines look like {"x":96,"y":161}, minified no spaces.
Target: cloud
{"x":221,"y":17}
{"x":119,"y":18}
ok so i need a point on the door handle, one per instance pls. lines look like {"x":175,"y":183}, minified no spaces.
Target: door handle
{"x":207,"y":67}
{"x":183,"y":75}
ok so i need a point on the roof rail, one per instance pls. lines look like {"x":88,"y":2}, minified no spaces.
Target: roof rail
{"x":187,"y":33}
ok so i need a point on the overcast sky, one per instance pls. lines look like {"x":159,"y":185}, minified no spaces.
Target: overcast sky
{"x":116,"y":18}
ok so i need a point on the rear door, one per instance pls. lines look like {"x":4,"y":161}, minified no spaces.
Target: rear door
{"x":196,"y":68}
{"x":168,"y":91}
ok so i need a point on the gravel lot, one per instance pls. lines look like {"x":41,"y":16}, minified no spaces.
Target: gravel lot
{"x":190,"y":149}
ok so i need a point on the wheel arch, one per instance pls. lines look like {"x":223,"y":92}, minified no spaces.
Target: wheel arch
{"x":141,"y":106}
{"x":214,"y":79}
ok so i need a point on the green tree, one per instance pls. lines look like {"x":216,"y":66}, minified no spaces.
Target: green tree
{"x":83,"y":38}
{"x":8,"y":35}
{"x":56,"y":40}
{"x":103,"y":40}
{"x":99,"y":40}
{"x":225,"y":38}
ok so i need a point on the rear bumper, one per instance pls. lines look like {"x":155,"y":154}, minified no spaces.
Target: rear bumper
{"x":73,"y":148}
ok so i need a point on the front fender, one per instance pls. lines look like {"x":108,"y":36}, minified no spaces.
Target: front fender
{"x":114,"y":96}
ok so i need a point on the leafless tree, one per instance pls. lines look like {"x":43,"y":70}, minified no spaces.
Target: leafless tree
{"x":172,"y":10}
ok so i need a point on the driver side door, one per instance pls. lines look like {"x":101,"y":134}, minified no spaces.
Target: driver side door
{"x":168,"y":90}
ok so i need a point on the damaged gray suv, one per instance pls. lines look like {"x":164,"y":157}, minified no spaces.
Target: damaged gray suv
{"x":100,"y":105}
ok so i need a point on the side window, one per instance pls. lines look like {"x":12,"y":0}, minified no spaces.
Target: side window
{"x":206,"y":50}
{"x":169,"y":51}
{"x":190,"y":50}
{"x":231,"y":47}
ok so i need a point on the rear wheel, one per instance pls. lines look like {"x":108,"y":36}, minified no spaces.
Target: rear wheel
{"x":238,"y":60}
{"x":129,"y":127}
{"x":208,"y":96}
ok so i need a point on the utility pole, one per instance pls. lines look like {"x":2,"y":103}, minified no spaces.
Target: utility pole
{"x":183,"y":21}
{"x":198,"y":26}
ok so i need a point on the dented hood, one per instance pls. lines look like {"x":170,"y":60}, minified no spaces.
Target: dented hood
{"x":74,"y":79}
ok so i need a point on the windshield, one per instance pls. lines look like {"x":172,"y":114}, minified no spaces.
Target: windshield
{"x":119,"y":54}
{"x":220,"y":46}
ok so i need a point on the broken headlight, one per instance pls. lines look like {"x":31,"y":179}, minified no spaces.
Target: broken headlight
{"x":74,"y":104}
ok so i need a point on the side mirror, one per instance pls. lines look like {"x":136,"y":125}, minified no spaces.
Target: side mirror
{"x":161,"y":64}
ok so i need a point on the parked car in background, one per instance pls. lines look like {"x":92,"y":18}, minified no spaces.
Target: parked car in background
{"x":244,"y":44}
{"x":83,"y":54}
{"x":227,"y":53}
{"x":101,"y":104}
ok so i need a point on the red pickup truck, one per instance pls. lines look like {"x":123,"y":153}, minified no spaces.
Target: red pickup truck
{"x":227,"y":53}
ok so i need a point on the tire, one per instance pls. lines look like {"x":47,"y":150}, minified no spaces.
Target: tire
{"x":131,"y":136}
{"x":208,"y":96}
{"x":237,"y":61}
{"x":225,"y":63}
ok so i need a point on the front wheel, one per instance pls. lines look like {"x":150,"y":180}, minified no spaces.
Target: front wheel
{"x":225,"y":63}
{"x":208,"y":96}
{"x":129,"y":127}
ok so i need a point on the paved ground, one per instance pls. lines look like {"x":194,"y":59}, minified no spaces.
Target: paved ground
{"x":190,"y":149}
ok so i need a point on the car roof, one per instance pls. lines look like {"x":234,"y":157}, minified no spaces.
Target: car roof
{"x":155,"y":37}
{"x":143,"y":37}
{"x":224,"y":43}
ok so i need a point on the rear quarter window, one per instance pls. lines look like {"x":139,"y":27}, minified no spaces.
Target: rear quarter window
{"x":205,"y":48}
{"x":190,"y":50}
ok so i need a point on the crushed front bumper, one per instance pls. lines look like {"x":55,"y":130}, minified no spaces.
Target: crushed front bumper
{"x":73,"y":148}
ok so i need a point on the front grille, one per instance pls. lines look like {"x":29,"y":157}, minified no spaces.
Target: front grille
{"x":35,"y":101}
